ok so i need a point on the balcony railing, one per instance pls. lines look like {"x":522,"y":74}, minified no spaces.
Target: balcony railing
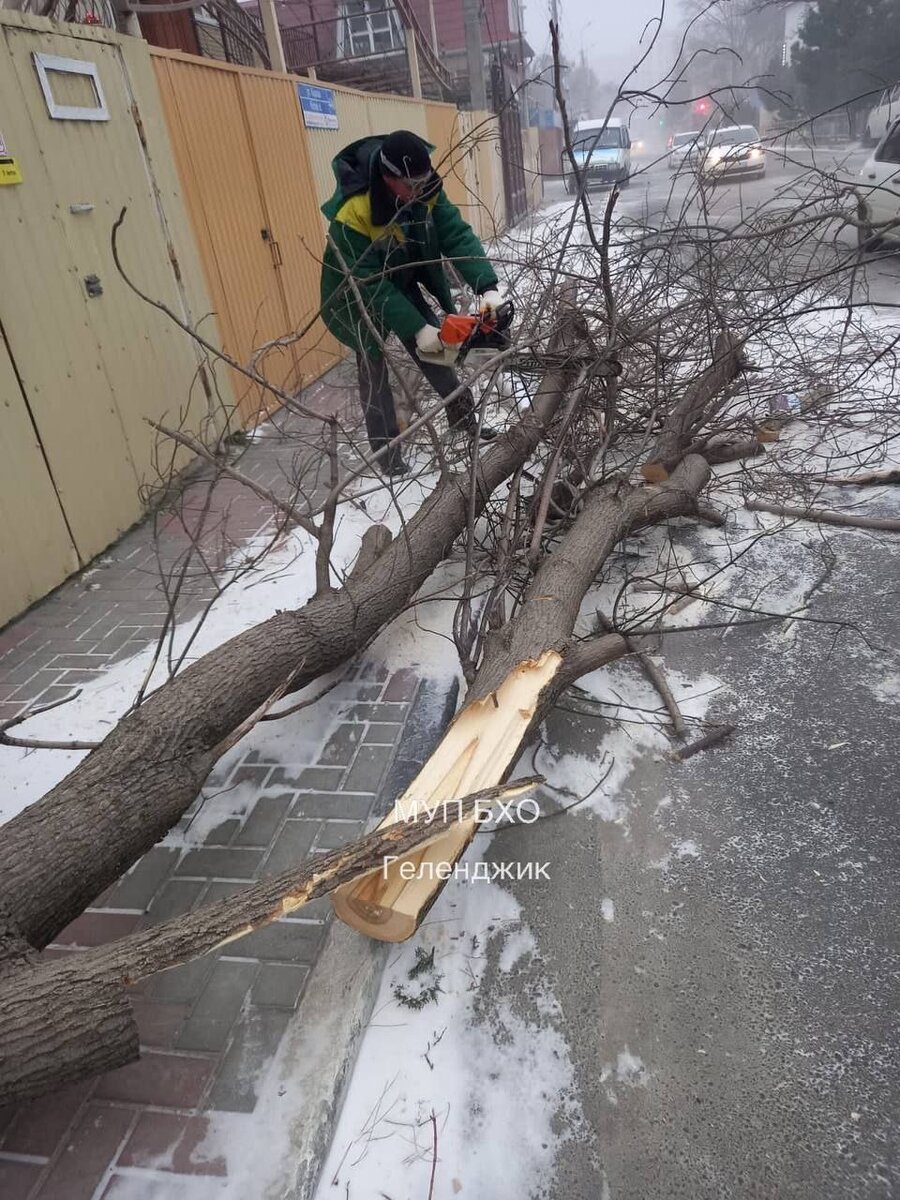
{"x":319,"y":43}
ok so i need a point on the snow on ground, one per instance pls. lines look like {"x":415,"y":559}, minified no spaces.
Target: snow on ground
{"x":283,"y":579}
{"x":477,"y":1065}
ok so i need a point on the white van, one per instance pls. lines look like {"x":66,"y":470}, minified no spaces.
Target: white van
{"x":602,"y":152}
{"x":879,"y":202}
{"x":883,"y":115}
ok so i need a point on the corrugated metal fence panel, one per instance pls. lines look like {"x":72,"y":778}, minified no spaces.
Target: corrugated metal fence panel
{"x":92,"y":368}
{"x":326,"y":144}
{"x":48,"y":325}
{"x":387,"y":113}
{"x":489,"y":173}
{"x":36,"y":551}
{"x":217,"y":163}
{"x":275,"y":129}
{"x":223,"y":379}
{"x":446,"y":131}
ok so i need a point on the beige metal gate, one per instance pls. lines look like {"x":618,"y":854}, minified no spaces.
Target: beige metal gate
{"x":88,"y":362}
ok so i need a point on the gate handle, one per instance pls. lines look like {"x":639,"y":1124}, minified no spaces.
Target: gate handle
{"x":266,"y":235}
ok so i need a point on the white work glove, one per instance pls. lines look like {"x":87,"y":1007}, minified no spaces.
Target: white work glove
{"x":429,"y":344}
{"x":489,"y":302}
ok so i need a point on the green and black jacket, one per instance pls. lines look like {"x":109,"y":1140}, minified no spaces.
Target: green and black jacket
{"x":388,"y":251}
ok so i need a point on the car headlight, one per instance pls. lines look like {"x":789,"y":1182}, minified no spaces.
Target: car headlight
{"x":756,"y":152}
{"x":715,"y":155}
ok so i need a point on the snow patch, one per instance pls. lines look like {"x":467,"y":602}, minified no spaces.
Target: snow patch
{"x":469,"y":1057}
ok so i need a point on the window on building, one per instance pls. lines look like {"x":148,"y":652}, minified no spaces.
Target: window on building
{"x":368,"y":27}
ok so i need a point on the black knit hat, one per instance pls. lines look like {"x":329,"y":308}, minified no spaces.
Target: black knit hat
{"x":405,"y":155}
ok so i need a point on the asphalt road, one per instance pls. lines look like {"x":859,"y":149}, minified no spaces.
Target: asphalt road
{"x":734,"y":1026}
{"x":658,"y":198}
{"x":726,"y":957}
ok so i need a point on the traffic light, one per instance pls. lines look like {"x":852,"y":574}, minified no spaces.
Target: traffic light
{"x":702,"y":107}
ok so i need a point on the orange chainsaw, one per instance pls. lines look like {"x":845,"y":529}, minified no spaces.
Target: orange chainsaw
{"x":461,"y":333}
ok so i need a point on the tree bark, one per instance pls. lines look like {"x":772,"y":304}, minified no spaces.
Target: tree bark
{"x":64,"y":850}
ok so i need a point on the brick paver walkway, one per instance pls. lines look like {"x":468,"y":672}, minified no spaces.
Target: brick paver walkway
{"x":209,"y":1029}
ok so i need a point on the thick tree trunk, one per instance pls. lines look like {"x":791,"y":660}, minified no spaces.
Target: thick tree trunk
{"x":63,"y":1020}
{"x":63,"y":851}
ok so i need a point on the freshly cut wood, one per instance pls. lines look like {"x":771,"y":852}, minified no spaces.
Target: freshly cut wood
{"x":523,"y":672}
{"x":824,"y":516}
{"x":63,"y":851}
{"x":475,"y":753}
{"x":69,"y":1018}
{"x":716,"y":452}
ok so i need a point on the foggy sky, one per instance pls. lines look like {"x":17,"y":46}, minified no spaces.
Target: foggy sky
{"x":608,"y":30}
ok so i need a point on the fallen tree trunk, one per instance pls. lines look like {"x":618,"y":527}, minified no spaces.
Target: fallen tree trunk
{"x":824,"y":516}
{"x":64,"y":850}
{"x":69,"y":1018}
{"x":527,"y":663}
{"x":526,"y":666}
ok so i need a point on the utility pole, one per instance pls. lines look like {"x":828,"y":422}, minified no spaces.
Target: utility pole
{"x":412,"y":58}
{"x":475,"y":55}
{"x":273,"y":35}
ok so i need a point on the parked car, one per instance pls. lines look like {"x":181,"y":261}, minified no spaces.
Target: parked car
{"x":734,"y":150}
{"x":880,"y":192}
{"x":602,"y":152}
{"x":883,"y":115}
{"x":685,"y":149}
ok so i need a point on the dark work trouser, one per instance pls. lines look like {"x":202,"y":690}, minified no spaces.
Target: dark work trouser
{"x":378,"y":399}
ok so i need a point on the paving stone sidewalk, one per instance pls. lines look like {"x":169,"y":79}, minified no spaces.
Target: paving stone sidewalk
{"x":209,"y":1030}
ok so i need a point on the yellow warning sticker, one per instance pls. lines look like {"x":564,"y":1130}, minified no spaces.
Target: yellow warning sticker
{"x":9,"y":171}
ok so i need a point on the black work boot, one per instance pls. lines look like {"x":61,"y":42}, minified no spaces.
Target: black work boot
{"x":393,"y":463}
{"x":469,"y":426}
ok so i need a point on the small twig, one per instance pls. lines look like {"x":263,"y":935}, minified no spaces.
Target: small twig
{"x":704,"y":743}
{"x":656,"y":677}
{"x":36,"y":743}
{"x":197,"y":447}
{"x":308,"y":703}
{"x":434,"y":1135}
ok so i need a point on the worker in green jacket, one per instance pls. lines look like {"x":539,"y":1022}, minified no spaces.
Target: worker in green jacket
{"x":391,"y":225}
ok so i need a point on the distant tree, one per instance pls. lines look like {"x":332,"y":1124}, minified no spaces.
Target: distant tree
{"x":733,"y":51}
{"x":848,"y":51}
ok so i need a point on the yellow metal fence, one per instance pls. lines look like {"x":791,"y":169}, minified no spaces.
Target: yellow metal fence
{"x":84,"y":362}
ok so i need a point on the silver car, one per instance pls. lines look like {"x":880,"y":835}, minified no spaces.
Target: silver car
{"x":734,"y":150}
{"x":685,"y":149}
